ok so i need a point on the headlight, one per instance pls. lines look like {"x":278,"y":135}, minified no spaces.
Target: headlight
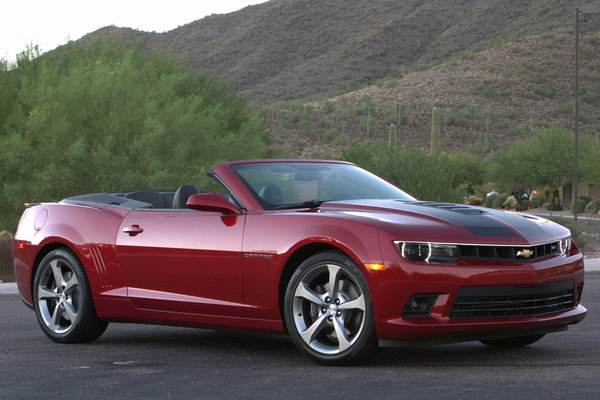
{"x":564,"y":246}
{"x":428,"y":252}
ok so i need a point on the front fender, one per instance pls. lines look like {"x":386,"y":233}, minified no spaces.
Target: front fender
{"x":271,"y":239}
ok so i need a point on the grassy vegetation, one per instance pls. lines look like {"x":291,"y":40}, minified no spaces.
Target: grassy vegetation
{"x":7,"y":272}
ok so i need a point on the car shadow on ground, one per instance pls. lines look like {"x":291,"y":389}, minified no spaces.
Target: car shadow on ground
{"x":265,"y":348}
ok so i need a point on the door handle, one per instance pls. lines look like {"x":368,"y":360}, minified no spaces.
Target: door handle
{"x":133,"y":230}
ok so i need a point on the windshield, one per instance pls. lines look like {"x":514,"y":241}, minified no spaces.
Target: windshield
{"x":285,"y":185}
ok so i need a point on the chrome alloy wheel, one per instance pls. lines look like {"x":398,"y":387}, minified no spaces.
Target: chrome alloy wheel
{"x":58,"y":296}
{"x":329,"y":308}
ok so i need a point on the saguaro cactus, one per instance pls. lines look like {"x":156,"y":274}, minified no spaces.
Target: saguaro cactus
{"x":435,"y":130}
{"x":392,"y":138}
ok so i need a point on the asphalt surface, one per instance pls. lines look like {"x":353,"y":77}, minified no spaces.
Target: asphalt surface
{"x":156,"y":362}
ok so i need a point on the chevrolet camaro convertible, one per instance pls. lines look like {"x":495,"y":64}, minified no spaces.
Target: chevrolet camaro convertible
{"x":323,"y":250}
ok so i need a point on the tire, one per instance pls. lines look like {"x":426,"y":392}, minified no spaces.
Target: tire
{"x":512,"y":343}
{"x":331,"y":324}
{"x":62,"y":300}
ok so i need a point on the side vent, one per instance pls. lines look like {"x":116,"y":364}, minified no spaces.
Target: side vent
{"x":100,"y":267}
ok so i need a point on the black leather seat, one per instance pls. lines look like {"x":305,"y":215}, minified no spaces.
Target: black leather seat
{"x":183,"y":194}
{"x":148,"y":196}
{"x":271,"y":194}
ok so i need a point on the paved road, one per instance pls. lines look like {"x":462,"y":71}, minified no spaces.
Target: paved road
{"x":139,"y":361}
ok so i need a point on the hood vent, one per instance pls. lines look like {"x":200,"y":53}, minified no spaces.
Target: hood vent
{"x":462,"y":209}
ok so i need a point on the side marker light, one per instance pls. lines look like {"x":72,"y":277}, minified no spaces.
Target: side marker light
{"x":375,"y":267}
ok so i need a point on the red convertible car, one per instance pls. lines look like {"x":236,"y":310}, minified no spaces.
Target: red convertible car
{"x":323,"y":250}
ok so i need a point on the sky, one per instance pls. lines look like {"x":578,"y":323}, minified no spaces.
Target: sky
{"x":50,"y":23}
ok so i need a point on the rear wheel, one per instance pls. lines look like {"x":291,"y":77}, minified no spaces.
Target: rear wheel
{"x":63,"y":300}
{"x":328,"y":310}
{"x":512,"y":343}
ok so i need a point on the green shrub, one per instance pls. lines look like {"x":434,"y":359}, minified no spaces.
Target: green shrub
{"x":424,"y":175}
{"x":593,"y":207}
{"x":495,"y":200}
{"x":555,"y":207}
{"x":567,"y":107}
{"x":103,"y":117}
{"x":577,"y":233}
{"x":582,"y":201}
{"x":538,"y":201}
{"x":6,"y":257}
{"x":510,"y":203}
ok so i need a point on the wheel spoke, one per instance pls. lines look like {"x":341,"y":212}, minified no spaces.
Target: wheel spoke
{"x":46,"y":294}
{"x":340,"y":332}
{"x":356,"y":304}
{"x":305,"y":292}
{"x":311,"y":333}
{"x":71,"y":311}
{"x":56,"y":314}
{"x":71,"y":285}
{"x":334,"y":280}
{"x":58,"y":276}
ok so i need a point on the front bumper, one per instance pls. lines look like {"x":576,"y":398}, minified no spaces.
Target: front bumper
{"x":401,"y":281}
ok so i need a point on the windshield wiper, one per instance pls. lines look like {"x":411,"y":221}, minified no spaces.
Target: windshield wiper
{"x":305,"y":204}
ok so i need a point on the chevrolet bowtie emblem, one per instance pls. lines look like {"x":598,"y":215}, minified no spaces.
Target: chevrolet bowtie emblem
{"x":524,"y":253}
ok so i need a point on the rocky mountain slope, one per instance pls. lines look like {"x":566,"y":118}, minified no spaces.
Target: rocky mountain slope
{"x":496,"y":68}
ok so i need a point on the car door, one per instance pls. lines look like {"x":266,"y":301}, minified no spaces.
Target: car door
{"x":183,"y":260}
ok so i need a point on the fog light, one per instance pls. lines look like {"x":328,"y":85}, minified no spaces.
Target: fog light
{"x":419,"y":306}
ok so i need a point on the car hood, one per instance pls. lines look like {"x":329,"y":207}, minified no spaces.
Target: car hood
{"x":449,"y":223}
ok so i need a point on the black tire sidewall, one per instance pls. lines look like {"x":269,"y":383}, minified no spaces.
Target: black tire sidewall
{"x":86,"y":315}
{"x":365,"y":345}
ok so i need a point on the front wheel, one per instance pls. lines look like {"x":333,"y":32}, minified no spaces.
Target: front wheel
{"x":63,"y":300}
{"x":328,"y":310}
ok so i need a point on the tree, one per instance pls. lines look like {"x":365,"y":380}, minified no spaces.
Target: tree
{"x":103,"y":117}
{"x":589,"y":160}
{"x":424,"y":175}
{"x":544,"y":159}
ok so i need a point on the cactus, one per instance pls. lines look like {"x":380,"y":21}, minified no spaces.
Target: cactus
{"x":392,"y":139}
{"x":435,"y":130}
{"x":6,"y":257}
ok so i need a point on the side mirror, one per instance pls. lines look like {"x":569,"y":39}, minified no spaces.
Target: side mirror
{"x":211,"y":202}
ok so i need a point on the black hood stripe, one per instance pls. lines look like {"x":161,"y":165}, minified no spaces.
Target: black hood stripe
{"x":481,"y":222}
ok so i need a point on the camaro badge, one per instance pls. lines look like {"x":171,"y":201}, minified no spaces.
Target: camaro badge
{"x":524,"y":253}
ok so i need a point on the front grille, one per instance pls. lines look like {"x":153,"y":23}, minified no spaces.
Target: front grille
{"x":513,"y":301}
{"x":509,"y":253}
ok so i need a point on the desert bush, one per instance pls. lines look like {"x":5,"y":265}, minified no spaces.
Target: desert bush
{"x":510,"y":203}
{"x":578,"y":233}
{"x":554,"y":207}
{"x":579,"y":206}
{"x":495,"y":200}
{"x":538,"y":201}
{"x":593,"y":207}
{"x":424,"y":175}
{"x":7,"y":272}
{"x":104,"y":117}
{"x":475,"y":201}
